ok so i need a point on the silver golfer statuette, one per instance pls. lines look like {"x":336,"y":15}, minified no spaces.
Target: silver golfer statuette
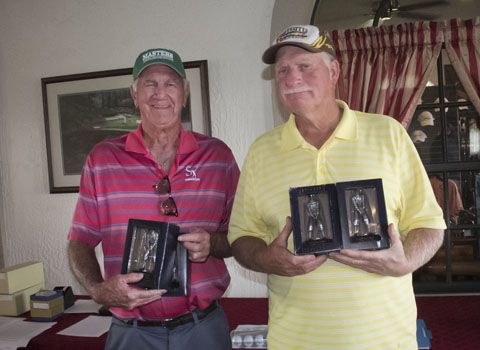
{"x":144,"y":251}
{"x":315,"y":219}
{"x":363,"y":227}
{"x":150,"y":251}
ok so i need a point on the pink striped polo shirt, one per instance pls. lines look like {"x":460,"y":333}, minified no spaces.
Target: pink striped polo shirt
{"x":117,"y":184}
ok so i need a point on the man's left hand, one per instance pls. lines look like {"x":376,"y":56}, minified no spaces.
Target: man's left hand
{"x":387,"y":262}
{"x":197,"y":242}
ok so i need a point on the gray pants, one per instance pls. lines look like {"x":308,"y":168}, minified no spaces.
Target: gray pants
{"x":210,"y":333}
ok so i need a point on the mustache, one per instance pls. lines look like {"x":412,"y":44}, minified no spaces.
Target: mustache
{"x":296,"y":90}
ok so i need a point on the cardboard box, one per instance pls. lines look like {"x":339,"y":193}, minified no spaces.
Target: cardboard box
{"x":22,"y":276}
{"x":17,"y":303}
{"x":46,"y":305}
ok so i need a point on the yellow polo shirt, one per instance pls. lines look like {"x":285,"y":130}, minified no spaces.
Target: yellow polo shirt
{"x":336,"y":306}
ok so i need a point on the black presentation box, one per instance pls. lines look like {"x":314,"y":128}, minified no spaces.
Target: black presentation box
{"x":151,"y":248}
{"x":68,"y":297}
{"x":345,"y":215}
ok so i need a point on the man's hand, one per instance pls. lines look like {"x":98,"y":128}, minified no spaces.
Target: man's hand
{"x":116,"y":292}
{"x":197,"y":242}
{"x":387,"y":262}
{"x":113,"y":292}
{"x":274,"y":258}
{"x":400,"y":259}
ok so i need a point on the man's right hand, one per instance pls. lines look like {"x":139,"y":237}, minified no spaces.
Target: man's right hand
{"x":117,"y":292}
{"x":274,"y":258}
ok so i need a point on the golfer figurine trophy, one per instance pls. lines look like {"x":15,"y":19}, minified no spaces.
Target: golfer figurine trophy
{"x":315,"y":219}
{"x":152,"y":248}
{"x":345,"y":215}
{"x":144,"y":251}
{"x":362,"y":220}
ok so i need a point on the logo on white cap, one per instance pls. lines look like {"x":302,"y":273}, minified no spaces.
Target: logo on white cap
{"x":299,"y":34}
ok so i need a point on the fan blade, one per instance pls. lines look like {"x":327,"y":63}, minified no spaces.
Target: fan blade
{"x":423,"y":5}
{"x":416,"y":16}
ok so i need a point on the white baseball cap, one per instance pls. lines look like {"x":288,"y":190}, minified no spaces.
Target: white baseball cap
{"x":437,"y":100}
{"x":425,"y":118}
{"x":305,"y":36}
{"x":418,"y":136}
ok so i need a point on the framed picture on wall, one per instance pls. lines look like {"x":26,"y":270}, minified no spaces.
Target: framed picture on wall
{"x":81,"y":110}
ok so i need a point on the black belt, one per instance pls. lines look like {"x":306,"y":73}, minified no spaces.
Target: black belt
{"x":177,"y":320}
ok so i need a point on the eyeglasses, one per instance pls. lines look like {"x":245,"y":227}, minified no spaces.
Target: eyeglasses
{"x":168,"y":206}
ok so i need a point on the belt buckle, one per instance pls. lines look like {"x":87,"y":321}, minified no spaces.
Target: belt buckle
{"x":166,"y":322}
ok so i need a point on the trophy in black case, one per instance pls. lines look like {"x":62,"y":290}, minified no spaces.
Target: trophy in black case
{"x":316,"y":223}
{"x":152,"y":248}
{"x":331,"y":217}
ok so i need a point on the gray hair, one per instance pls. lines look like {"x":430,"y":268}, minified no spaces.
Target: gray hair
{"x":327,"y":58}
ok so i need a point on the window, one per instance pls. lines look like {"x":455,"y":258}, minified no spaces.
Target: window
{"x":446,"y":132}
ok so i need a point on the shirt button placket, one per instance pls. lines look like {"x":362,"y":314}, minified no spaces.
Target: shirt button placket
{"x":320,"y":167}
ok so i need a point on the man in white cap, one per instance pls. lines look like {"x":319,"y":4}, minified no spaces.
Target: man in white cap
{"x":350,"y":299}
{"x":158,"y":172}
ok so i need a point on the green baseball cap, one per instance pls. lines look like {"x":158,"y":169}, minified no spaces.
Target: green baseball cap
{"x":158,"y":56}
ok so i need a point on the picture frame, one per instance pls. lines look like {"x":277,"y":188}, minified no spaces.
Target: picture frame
{"x":83,"y":109}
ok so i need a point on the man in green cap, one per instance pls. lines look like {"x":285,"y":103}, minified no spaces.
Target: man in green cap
{"x":158,"y":172}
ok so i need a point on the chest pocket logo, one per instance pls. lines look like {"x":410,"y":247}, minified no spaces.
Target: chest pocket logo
{"x":191,"y":173}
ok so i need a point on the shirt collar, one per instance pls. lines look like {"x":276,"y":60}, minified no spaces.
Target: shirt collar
{"x":136,"y":143}
{"x":346,"y":129}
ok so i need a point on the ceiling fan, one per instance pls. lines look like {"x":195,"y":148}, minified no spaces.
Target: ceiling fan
{"x":389,"y":8}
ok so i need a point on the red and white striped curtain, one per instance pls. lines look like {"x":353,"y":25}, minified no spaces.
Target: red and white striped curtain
{"x":385,"y":69}
{"x":462,"y":42}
